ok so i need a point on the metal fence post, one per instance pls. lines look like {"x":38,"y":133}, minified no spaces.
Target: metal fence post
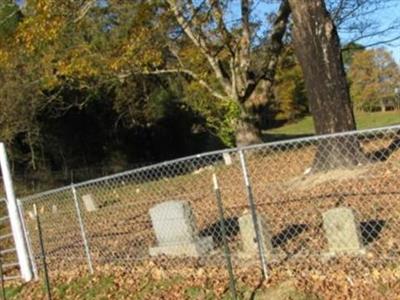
{"x":82,"y":228}
{"x":15,"y":220}
{"x":254,"y":217}
{"x":43,"y":253}
{"x":27,"y":239}
{"x":232,"y":284}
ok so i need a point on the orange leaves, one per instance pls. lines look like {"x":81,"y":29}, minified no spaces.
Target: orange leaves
{"x":123,"y":38}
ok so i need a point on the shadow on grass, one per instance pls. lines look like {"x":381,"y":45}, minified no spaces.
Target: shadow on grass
{"x":289,"y":233}
{"x":385,"y":153}
{"x":256,"y":289}
{"x":215,"y":230}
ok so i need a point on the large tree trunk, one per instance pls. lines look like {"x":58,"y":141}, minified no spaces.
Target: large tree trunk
{"x":317,"y":47}
{"x":260,"y":101}
{"x":383,"y":106}
{"x":247,"y":130}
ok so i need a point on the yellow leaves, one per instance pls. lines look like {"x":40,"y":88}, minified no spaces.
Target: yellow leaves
{"x":49,"y":82}
{"x":36,"y":31}
{"x":289,"y":88}
{"x":80,"y":63}
{"x":58,"y":47}
{"x":137,"y":51}
{"x":4,"y":58}
{"x":45,"y":7}
{"x":41,"y":26}
{"x":77,"y":67}
{"x":193,"y":58}
{"x":373,"y":75}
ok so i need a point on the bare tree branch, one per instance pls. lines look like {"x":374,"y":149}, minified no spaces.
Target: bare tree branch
{"x":219,"y":20}
{"x":244,"y":44}
{"x":8,"y":17}
{"x":273,"y":48}
{"x":84,"y":10}
{"x":199,"y":41}
{"x":336,"y":12}
{"x":246,"y":34}
{"x":382,"y":42}
{"x":359,"y":18}
{"x":375,"y":33}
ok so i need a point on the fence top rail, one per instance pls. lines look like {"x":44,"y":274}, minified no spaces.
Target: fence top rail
{"x":211,"y":153}
{"x":43,"y":194}
{"x":323,"y":136}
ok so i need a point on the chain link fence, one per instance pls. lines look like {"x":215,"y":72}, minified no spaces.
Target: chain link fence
{"x":8,"y":258}
{"x":318,"y":198}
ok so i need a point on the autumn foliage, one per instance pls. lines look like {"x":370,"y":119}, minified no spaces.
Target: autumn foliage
{"x":374,"y":77}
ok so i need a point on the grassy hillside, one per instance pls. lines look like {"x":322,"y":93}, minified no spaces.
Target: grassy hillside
{"x":364,"y":120}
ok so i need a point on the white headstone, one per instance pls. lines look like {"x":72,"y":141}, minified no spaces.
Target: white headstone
{"x":54,"y":209}
{"x":342,"y":231}
{"x":89,"y":203}
{"x":31,"y":215}
{"x":175,"y":229}
{"x":227,"y":158}
{"x":249,"y":237}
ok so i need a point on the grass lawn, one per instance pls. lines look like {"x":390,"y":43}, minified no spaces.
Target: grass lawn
{"x":306,"y":125}
{"x":147,"y":286}
{"x":98,"y":287}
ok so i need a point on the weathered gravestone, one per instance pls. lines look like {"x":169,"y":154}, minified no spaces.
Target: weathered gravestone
{"x":249,"y":237}
{"x":31,"y":215}
{"x":175,"y":229}
{"x":54,"y":209}
{"x":342,"y":232}
{"x":89,"y":202}
{"x":227,"y":158}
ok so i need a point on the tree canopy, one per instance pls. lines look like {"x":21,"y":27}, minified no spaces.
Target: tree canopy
{"x":374,"y":77}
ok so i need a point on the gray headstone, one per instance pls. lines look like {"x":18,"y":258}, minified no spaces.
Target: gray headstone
{"x":54,"y":209}
{"x":227,"y":158}
{"x":342,"y":231}
{"x":89,"y":202}
{"x":175,"y":229}
{"x":249,"y":237}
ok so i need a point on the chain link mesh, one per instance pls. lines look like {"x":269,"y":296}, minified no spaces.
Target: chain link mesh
{"x":8,"y":255}
{"x":318,"y":198}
